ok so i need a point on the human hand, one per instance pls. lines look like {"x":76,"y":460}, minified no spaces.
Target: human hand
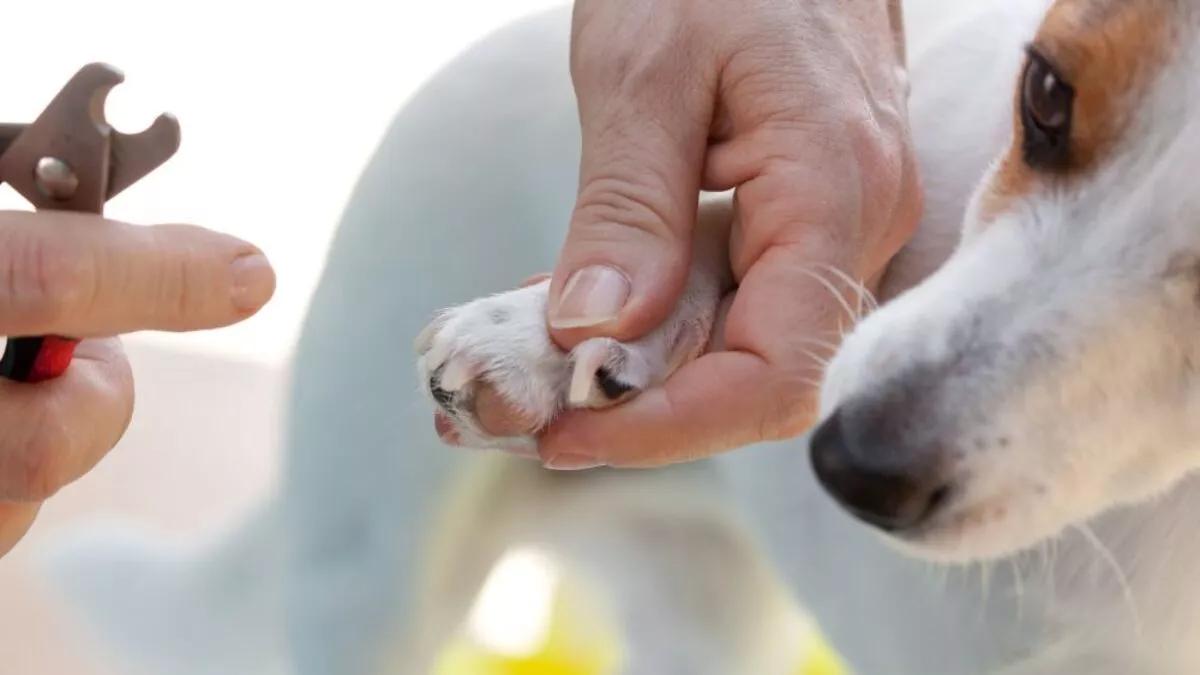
{"x":84,"y":276}
{"x":800,"y":107}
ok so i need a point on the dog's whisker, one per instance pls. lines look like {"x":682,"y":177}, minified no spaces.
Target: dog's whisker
{"x":833,"y":290}
{"x":1018,"y":586}
{"x":1106,"y":556}
{"x":1044,"y":557}
{"x":834,"y":334}
{"x":821,"y":360}
{"x":941,"y":576}
{"x":1052,"y":576}
{"x":985,"y":581}
{"x":824,"y":344}
{"x":865,"y":296}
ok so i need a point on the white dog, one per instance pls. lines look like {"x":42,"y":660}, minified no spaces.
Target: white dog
{"x":1034,"y":402}
{"x":1048,"y":372}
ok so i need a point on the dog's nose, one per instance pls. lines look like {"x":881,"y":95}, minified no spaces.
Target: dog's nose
{"x":884,"y":486}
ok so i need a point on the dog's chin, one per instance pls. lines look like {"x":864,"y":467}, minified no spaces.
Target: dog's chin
{"x":983,"y":532}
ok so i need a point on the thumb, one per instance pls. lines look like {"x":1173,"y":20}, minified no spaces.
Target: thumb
{"x":627,"y":252}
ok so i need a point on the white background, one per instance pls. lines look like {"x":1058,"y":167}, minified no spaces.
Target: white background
{"x":281,"y":105}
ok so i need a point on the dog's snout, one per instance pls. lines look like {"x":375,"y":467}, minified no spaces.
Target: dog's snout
{"x":873,"y":476}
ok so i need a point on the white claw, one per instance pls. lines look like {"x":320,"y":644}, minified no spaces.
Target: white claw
{"x":457,"y":374}
{"x":425,"y":338}
{"x":438,"y":354}
{"x":588,"y":357}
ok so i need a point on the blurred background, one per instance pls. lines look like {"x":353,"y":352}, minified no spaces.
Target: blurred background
{"x":281,"y":104}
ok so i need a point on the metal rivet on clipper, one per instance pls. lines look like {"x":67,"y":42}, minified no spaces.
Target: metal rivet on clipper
{"x":55,"y":178}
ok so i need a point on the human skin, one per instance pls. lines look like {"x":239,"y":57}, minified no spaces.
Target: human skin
{"x":88,"y":277}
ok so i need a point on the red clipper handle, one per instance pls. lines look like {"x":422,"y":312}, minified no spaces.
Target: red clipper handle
{"x":33,"y":359}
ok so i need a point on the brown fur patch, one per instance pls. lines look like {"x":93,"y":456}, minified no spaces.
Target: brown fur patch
{"x":1109,"y":51}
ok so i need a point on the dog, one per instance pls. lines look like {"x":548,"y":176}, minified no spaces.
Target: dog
{"x":999,"y":483}
{"x":1046,"y":373}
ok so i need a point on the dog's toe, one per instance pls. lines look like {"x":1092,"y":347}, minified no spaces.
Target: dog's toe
{"x":605,"y":372}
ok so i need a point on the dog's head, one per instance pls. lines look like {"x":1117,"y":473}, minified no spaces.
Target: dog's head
{"x":1051,"y":368}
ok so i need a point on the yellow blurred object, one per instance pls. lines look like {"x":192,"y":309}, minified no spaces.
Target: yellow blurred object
{"x":820,"y":659}
{"x":532,"y":617}
{"x":572,"y":637}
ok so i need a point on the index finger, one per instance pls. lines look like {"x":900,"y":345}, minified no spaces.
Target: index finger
{"x":81,"y":275}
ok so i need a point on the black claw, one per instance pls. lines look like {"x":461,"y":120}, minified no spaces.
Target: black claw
{"x":611,"y":386}
{"x":444,"y":398}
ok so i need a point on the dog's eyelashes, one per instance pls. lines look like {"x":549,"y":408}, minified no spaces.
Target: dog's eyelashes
{"x":1047,"y":108}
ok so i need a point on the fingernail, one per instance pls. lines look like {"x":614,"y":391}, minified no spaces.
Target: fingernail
{"x":592,"y":296}
{"x":569,"y":462}
{"x":253,"y":282}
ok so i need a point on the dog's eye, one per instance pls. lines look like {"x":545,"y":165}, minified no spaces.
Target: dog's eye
{"x":1047,"y":104}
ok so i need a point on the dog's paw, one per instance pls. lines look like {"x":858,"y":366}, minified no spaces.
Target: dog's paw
{"x":502,"y":342}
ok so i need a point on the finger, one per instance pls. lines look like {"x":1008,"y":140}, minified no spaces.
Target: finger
{"x":685,"y":419}
{"x":535,"y":280}
{"x":645,"y":115}
{"x":848,"y":187}
{"x":15,"y":520}
{"x":80,"y":275}
{"x":768,"y":384}
{"x":57,"y":430}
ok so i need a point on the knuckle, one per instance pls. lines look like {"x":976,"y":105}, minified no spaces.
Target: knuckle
{"x":184,"y":295}
{"x":883,"y":149}
{"x":635,"y":201}
{"x":45,"y":279}
{"x":176,"y":281}
{"x":591,"y":65}
{"x":614,"y":52}
{"x":879,"y":146}
{"x":638,"y":56}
